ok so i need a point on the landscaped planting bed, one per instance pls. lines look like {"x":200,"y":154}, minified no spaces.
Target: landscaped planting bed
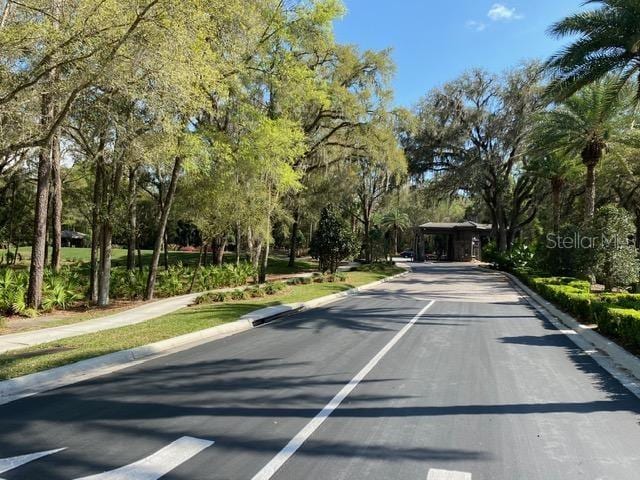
{"x":615,"y":314}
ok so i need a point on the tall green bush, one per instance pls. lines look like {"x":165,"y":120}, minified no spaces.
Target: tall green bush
{"x":614,"y":256}
{"x":332,"y":241}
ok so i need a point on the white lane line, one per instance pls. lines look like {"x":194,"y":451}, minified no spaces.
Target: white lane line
{"x":435,"y":474}
{"x":158,"y":464}
{"x":10,"y":463}
{"x":296,"y":442}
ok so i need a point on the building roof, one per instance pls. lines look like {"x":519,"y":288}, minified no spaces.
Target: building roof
{"x":467,"y":225}
{"x":71,"y":235}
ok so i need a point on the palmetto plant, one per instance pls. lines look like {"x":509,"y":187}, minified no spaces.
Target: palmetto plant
{"x":13,"y":288}
{"x":608,"y":41}
{"x":585,"y":124}
{"x":60,"y":289}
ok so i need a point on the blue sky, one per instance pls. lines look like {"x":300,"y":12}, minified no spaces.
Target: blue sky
{"x":435,"y":40}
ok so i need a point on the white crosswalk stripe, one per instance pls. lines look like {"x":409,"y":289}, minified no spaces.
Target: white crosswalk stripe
{"x":435,"y":474}
{"x":10,"y":463}
{"x":159,"y":463}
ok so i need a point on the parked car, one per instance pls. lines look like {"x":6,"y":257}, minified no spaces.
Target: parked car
{"x":407,"y":254}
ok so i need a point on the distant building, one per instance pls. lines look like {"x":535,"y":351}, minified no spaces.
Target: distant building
{"x":457,"y":242}
{"x":73,"y":239}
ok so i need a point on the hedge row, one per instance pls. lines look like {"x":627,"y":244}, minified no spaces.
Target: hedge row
{"x":616,"y":314}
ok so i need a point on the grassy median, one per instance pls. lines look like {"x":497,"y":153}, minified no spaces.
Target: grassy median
{"x":191,"y":319}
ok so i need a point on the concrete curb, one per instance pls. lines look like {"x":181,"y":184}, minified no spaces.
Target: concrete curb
{"x":624,"y":366}
{"x":32,"y":384}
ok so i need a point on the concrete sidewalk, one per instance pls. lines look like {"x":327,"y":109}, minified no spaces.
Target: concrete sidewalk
{"x":142,"y":313}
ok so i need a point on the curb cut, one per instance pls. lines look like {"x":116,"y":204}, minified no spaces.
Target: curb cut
{"x":622,"y":365}
{"x":39,"y":382}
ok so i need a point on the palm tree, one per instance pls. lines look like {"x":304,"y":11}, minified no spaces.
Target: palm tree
{"x":608,"y":41}
{"x":585,"y":124}
{"x":555,"y":168}
{"x":397,"y":221}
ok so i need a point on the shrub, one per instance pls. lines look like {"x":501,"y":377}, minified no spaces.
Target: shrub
{"x":520,"y":258}
{"x":560,"y":258}
{"x":570,"y":294}
{"x":614,"y":257}
{"x":59,"y":292}
{"x":13,"y":289}
{"x":220,"y":297}
{"x":256,"y":292}
{"x":621,"y":322}
{"x":628,"y":322}
{"x":213,"y":297}
{"x":332,"y":241}
{"x":227,"y":275}
{"x":616,"y":314}
{"x":274,"y":287}
{"x":174,"y":281}
{"x":239,"y":295}
{"x":129,"y":284}
{"x":340,"y":276}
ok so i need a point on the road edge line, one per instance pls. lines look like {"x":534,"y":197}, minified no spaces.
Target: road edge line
{"x":622,"y":365}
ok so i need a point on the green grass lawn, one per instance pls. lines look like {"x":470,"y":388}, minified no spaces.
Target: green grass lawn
{"x":191,"y":319}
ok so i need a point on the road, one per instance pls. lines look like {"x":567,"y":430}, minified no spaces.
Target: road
{"x":441,"y":371}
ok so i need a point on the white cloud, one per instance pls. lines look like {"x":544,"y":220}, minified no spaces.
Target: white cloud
{"x":499,"y":12}
{"x":475,"y":25}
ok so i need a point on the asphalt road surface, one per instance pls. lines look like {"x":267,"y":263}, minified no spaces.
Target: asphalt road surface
{"x":443,"y":374}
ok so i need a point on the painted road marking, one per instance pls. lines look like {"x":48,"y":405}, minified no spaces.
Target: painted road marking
{"x":435,"y":474}
{"x":158,"y":464}
{"x":10,"y":463}
{"x":296,"y":442}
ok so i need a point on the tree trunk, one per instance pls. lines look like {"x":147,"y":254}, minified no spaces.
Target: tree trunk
{"x":56,"y":210}
{"x":95,"y":229}
{"x":11,"y":227}
{"x":238,"y":236}
{"x":501,"y":229}
{"x":197,"y":269}
{"x":47,"y":232}
{"x":165,"y":244}
{"x":133,"y":218}
{"x":140,"y":267}
{"x":104,"y":275}
{"x":590,"y":192}
{"x":217,"y":250}
{"x":395,"y":241}
{"x":110,"y":189}
{"x":153,"y":268}
{"x":368,"y":248}
{"x":5,"y":12}
{"x":637,"y":212}
{"x":262,"y":275}
{"x":293,"y":243}
{"x":39,"y":245}
{"x":257,"y":254}
{"x":556,"y":192}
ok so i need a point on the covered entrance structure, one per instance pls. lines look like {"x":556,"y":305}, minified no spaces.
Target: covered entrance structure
{"x":457,"y":242}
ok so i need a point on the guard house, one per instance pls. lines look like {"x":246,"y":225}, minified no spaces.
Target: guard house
{"x":457,"y":242}
{"x":70,"y":238}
